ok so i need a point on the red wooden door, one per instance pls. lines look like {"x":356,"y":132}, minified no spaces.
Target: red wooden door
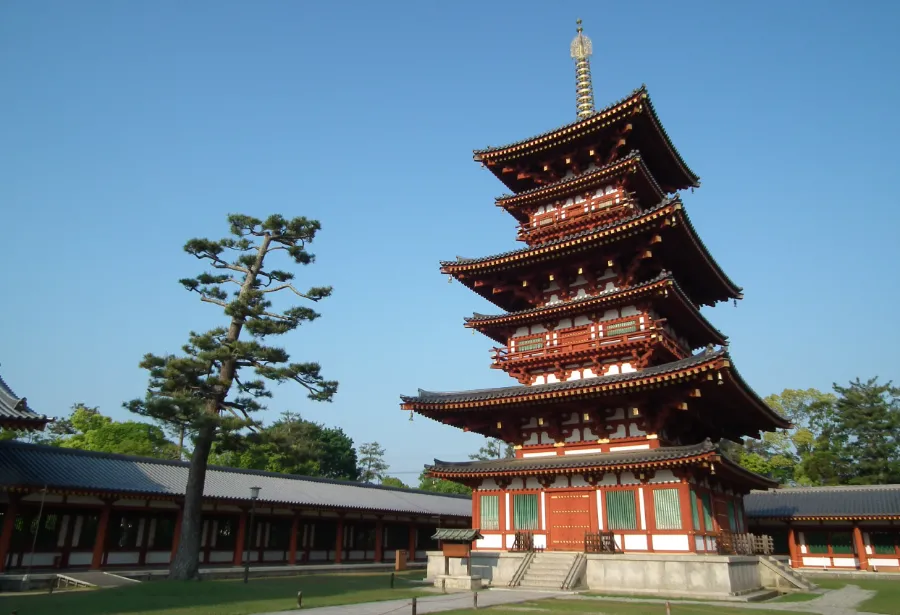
{"x":568,"y":519}
{"x":720,"y":510}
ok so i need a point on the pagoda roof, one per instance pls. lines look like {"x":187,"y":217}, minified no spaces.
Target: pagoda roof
{"x":15,"y":413}
{"x":702,"y":329}
{"x":688,"y":370}
{"x":632,"y":162}
{"x":602,"y":235}
{"x":664,"y":456}
{"x":635,"y":104}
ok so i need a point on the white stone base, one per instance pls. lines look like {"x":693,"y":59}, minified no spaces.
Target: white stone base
{"x":449,"y":581}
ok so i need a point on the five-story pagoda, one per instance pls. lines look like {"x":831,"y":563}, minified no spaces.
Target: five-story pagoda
{"x":615,"y":418}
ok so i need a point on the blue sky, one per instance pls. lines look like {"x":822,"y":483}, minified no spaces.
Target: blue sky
{"x":129,"y":127}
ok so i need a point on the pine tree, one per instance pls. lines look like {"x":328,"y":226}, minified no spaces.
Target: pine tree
{"x":868,"y":431}
{"x":372,"y":465}
{"x":494,"y":449}
{"x":196,"y":388}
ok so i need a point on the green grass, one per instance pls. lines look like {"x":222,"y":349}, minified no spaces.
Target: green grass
{"x":229,"y":597}
{"x":886,"y":601}
{"x":611,"y":607}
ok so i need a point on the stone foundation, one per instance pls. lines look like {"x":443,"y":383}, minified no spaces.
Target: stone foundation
{"x":494,"y":568}
{"x":449,"y":581}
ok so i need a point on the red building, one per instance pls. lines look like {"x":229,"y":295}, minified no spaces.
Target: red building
{"x":614,"y":418}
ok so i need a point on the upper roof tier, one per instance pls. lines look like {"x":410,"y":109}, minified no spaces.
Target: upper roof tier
{"x":630,"y":123}
{"x":668,"y":299}
{"x":632,"y":167}
{"x":15,"y":413}
{"x":675,"y":247}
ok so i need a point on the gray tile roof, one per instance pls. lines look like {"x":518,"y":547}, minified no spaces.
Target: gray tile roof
{"x":667,"y":453}
{"x":449,"y":534}
{"x":15,"y":412}
{"x":66,"y":469}
{"x":844,"y":501}
{"x":522,"y":390}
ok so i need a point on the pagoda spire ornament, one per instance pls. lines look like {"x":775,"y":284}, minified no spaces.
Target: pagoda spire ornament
{"x":581,"y":49}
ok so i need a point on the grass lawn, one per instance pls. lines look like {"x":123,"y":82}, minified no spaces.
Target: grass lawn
{"x":611,"y":607}
{"x":886,"y":601}
{"x":230,"y":597}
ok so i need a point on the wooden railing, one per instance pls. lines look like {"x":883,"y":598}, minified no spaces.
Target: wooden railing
{"x":730,"y":543}
{"x":602,"y":542}
{"x":577,"y":339}
{"x":524,"y":542}
{"x":605,"y":208}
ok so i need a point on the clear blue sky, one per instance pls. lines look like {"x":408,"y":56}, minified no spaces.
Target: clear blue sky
{"x":129,"y":127}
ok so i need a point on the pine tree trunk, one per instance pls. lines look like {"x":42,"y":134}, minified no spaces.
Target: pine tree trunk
{"x":187,"y":557}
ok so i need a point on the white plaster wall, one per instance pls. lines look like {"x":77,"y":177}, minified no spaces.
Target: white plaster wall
{"x":632,"y":447}
{"x":884,"y":561}
{"x":122,"y":557}
{"x":620,"y":432}
{"x":40,"y":559}
{"x":849,"y":562}
{"x":158,"y":557}
{"x":544,"y":454}
{"x":670,"y":542}
{"x":664,"y":476}
{"x":635,"y":542}
{"x":629,"y":310}
{"x":532,"y":483}
{"x":608,"y":480}
{"x":575,"y":436}
{"x":490,"y":541}
{"x":820,"y":562}
{"x":617,"y":414}
{"x":80,"y":558}
{"x":221,"y":556}
{"x":634,"y":430}
{"x":583,"y":451}
{"x":560,"y":482}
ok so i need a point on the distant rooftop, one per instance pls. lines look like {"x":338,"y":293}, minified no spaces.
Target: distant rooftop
{"x":845,"y":501}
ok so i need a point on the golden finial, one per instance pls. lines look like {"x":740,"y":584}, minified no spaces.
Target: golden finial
{"x":581,"y":50}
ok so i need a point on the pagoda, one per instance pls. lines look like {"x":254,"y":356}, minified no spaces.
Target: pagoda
{"x":624,"y":389}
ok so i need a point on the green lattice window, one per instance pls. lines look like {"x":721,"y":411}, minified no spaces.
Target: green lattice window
{"x":620,"y":328}
{"x":816,"y":542}
{"x":883,"y":543}
{"x":489,"y":506}
{"x":706,"y":499}
{"x":525,"y":511}
{"x":667,"y":508}
{"x":732,"y":520}
{"x":695,"y":512}
{"x":621,"y":512}
{"x":533,"y":344}
{"x":841,"y":542}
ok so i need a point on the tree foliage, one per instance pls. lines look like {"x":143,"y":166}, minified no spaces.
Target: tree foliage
{"x":439,"y":485}
{"x":392,"y":481}
{"x":372,"y":466}
{"x":494,"y":449}
{"x":87,"y":429}
{"x":219,"y":380}
{"x":292,"y":445}
{"x":845,"y":437}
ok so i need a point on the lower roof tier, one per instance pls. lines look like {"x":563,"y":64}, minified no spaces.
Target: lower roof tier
{"x":654,"y":239}
{"x":702,"y":457}
{"x":702,"y":395}
{"x":15,"y":413}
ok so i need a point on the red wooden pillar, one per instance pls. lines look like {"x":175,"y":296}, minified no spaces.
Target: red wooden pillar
{"x":687,"y":514}
{"x":179,"y":516}
{"x":412,"y":543}
{"x":102,"y":532}
{"x":292,"y":548}
{"x":9,"y":526}
{"x":792,"y":547}
{"x":379,"y":541}
{"x":339,"y":542}
{"x":145,"y":537}
{"x":240,"y":539}
{"x":860,"y":545}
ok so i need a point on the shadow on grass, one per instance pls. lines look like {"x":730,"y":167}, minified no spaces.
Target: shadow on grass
{"x":231,"y":597}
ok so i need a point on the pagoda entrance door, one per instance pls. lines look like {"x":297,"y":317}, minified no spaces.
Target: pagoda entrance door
{"x":568,"y":519}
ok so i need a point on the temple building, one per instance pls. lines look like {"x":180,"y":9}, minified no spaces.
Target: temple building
{"x":15,"y":415}
{"x":623,"y":388}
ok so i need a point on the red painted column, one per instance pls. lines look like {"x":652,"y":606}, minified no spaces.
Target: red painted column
{"x":687,"y":516}
{"x":9,"y":525}
{"x":860,"y":548}
{"x":240,"y":539}
{"x":102,"y":532}
{"x":792,"y":548}
{"x":177,"y":535}
{"x":412,"y":543}
{"x":339,"y":542}
{"x":292,"y":549}
{"x":379,"y":541}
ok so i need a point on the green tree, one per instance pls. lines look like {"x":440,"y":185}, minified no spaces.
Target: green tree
{"x":196,"y":387}
{"x":439,"y":485}
{"x":292,"y":445}
{"x":494,"y":449}
{"x":867,"y":431}
{"x":391,"y":481}
{"x":372,"y":465}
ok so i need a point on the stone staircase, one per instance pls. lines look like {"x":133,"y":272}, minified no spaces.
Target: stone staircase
{"x":786,"y":574}
{"x":552,"y":570}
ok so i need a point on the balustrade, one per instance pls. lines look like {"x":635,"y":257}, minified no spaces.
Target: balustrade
{"x":731,"y":543}
{"x":599,"y":209}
